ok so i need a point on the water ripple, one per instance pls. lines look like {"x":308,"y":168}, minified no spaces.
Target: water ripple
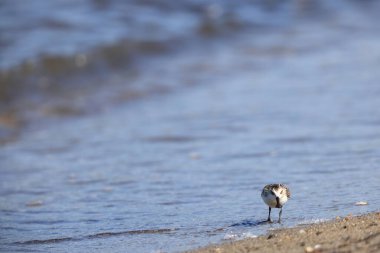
{"x":98,"y":235}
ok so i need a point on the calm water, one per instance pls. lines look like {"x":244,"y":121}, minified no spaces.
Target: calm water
{"x":185,"y":167}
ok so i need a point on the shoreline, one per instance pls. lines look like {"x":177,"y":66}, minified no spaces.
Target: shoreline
{"x":348,"y":234}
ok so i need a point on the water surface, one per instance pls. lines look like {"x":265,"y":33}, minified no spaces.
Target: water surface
{"x":185,"y":167}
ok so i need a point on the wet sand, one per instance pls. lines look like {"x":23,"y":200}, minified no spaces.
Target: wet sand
{"x":348,"y":234}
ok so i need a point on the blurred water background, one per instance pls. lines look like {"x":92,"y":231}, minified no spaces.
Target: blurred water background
{"x":149,"y":126}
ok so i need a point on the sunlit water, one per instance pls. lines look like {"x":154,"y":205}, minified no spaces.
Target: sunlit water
{"x":185,"y":169}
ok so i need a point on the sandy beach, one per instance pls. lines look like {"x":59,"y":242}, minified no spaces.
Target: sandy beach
{"x":344,"y":234}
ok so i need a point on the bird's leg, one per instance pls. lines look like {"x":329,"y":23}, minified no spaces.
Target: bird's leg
{"x":279,"y":216}
{"x":269,"y":220}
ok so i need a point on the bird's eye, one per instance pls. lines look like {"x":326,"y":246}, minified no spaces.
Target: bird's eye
{"x":272,"y":193}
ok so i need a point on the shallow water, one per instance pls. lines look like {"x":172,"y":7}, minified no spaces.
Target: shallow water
{"x":65,"y":27}
{"x":185,"y":168}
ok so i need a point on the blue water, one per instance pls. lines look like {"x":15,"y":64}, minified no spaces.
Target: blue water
{"x":185,"y":168}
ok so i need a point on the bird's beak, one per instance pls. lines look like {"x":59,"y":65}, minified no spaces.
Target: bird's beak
{"x":278,"y":202}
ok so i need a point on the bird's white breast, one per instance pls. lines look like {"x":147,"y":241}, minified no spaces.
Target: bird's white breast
{"x":270,"y":199}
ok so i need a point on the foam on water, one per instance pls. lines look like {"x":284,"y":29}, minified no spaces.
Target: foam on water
{"x":231,"y":236}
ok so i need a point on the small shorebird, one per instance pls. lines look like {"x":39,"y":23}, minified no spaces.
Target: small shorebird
{"x":275,"y":196}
